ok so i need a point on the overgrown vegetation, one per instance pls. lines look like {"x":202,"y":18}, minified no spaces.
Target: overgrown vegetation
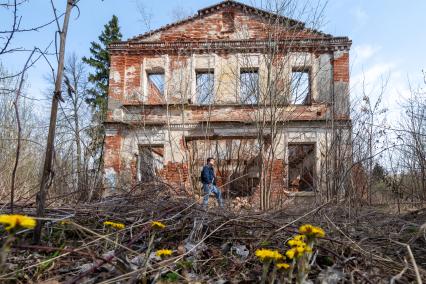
{"x":156,"y":238}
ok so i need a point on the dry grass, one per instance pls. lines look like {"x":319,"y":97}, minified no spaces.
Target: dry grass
{"x":363,"y":245}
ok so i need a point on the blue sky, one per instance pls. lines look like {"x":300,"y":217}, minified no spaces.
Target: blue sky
{"x":388,"y":36}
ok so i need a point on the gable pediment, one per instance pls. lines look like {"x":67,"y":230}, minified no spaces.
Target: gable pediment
{"x":230,"y":20}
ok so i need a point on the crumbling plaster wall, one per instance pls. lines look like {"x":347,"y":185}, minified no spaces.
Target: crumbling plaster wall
{"x":175,"y":151}
{"x":128,"y":76}
{"x":122,"y":154}
{"x":330,"y":81}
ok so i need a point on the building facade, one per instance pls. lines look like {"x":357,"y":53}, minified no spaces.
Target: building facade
{"x":263,"y":94}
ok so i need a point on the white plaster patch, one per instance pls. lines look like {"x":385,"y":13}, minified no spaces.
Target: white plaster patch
{"x":153,"y":37}
{"x":110,"y":177}
{"x":151,"y":137}
{"x":117,"y":114}
{"x":110,"y":132}
{"x":302,"y":137}
{"x":301,"y":59}
{"x":204,"y":61}
{"x":242,"y":31}
{"x":115,"y":76}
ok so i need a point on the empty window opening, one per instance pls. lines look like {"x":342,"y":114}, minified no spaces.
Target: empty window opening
{"x":156,"y":84}
{"x":300,"y":87}
{"x":245,"y":182}
{"x":237,"y":164}
{"x":151,"y":160}
{"x":205,"y":87}
{"x":301,"y":162}
{"x":249,"y":86}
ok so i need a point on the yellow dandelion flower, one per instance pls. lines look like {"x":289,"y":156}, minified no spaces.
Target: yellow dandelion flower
{"x":301,"y":238}
{"x":318,"y":232}
{"x":291,"y":253}
{"x":305,"y":229}
{"x":297,"y":240}
{"x":283,"y":266}
{"x":298,"y":251}
{"x":267,"y":255}
{"x":157,"y":225}
{"x":311,"y":231}
{"x":277,"y":256}
{"x":303,"y":248}
{"x":11,"y":221}
{"x":118,"y":226}
{"x":163,"y":252}
{"x":295,"y":243}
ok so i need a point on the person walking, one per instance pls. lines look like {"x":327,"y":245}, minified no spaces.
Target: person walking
{"x":208,"y":179}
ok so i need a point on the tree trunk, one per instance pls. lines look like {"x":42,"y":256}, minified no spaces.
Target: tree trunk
{"x":18,"y":124}
{"x":47,"y":168}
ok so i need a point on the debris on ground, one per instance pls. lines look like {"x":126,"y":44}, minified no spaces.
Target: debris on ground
{"x":362,"y":245}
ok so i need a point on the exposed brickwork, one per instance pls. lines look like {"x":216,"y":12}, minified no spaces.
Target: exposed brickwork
{"x":277,"y":186}
{"x":277,"y":174}
{"x":154,"y":96}
{"x":341,"y":68}
{"x":227,"y":114}
{"x":176,"y":174}
{"x":229,"y":24}
{"x":233,"y":113}
{"x":132,"y":76}
{"x":112,"y":152}
{"x":116,"y":77}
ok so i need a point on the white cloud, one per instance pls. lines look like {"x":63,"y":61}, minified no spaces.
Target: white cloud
{"x":380,"y":75}
{"x":373,"y":75}
{"x":362,"y":52}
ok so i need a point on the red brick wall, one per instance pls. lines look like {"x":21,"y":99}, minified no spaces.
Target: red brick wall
{"x":154,"y":96}
{"x":278,"y":195}
{"x":112,"y":152}
{"x":132,"y":76}
{"x":277,"y":174}
{"x":224,"y":25}
{"x":341,"y":68}
{"x":176,"y":174}
{"x":116,"y":81}
{"x":236,"y":114}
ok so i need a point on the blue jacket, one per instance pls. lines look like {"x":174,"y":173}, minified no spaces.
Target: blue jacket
{"x":207,"y":175}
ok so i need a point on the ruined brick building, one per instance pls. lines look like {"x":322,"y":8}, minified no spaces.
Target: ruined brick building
{"x":263,"y":94}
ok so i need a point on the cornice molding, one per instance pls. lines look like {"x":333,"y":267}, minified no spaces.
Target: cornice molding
{"x":244,"y":46}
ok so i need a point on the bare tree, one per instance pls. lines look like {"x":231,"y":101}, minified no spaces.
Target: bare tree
{"x":12,"y":14}
{"x":47,"y":169}
{"x":19,"y":131}
{"x":26,"y":171}
{"x":75,"y":119}
{"x":368,"y":133}
{"x":413,"y":151}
